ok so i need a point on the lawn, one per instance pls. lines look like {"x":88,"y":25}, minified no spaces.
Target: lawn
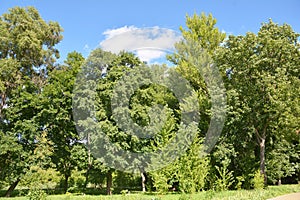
{"x":272,"y":191}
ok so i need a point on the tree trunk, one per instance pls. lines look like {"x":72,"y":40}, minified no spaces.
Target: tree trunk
{"x":279,"y":182}
{"x":12,"y":188}
{"x":143,"y":182}
{"x":66,"y":185}
{"x":262,"y":158}
{"x":109,"y":182}
{"x":87,"y":176}
{"x":89,"y":162}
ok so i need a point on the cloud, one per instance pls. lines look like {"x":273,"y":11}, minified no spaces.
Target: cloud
{"x":147,"y":43}
{"x":110,"y":33}
{"x":150,"y":54}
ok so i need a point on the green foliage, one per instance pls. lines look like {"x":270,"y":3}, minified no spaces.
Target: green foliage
{"x":192,"y":169}
{"x":37,"y":177}
{"x":263,"y":83}
{"x":27,"y":55}
{"x":126,"y":180}
{"x":201,"y":28}
{"x":57,"y":118}
{"x":240,"y":181}
{"x":77,"y":180}
{"x":23,"y":29}
{"x":225,"y":178}
{"x":162,"y":179}
{"x":39,"y":144}
{"x":37,"y":194}
{"x":258,"y":180}
{"x":124,"y":192}
{"x":279,"y":160}
{"x":97,"y":173}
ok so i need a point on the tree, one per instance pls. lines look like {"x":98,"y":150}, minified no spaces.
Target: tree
{"x":27,"y":54}
{"x":56,"y":116}
{"x":193,"y":169}
{"x":279,"y":159}
{"x":193,"y":58}
{"x":265,"y":68}
{"x":143,"y":102}
{"x":96,"y":68}
{"x":194,"y":61}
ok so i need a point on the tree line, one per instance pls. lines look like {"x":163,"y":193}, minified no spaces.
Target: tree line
{"x":41,"y":147}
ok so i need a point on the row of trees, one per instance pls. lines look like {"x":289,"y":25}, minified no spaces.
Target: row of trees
{"x":40,"y":145}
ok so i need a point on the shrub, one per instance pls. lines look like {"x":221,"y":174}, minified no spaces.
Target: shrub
{"x":225,"y":177}
{"x":258,"y":180}
{"x":36,"y":194}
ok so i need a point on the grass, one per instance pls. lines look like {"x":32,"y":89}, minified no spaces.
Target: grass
{"x":272,"y":191}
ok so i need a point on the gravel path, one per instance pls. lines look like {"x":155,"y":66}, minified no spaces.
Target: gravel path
{"x":294,"y":196}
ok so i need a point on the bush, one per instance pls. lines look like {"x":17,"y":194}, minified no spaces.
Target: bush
{"x":77,"y":180}
{"x":37,"y":194}
{"x":225,"y":177}
{"x":258,"y":180}
{"x":38,"y":177}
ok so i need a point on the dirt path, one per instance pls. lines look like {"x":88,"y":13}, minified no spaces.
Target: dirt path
{"x":294,"y":196}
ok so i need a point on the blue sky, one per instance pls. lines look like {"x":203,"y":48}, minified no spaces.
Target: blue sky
{"x":88,"y":23}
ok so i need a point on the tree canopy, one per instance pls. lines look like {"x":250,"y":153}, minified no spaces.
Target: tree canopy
{"x":225,"y":116}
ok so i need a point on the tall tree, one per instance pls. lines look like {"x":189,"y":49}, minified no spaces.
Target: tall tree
{"x":56,"y":115}
{"x":193,"y":59}
{"x":27,"y":53}
{"x":96,"y":68}
{"x":261,"y":70}
{"x":140,"y":103}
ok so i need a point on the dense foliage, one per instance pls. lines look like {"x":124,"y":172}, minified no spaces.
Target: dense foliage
{"x":42,"y":148}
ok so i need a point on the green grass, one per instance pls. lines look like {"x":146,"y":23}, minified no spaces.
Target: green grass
{"x":272,"y":191}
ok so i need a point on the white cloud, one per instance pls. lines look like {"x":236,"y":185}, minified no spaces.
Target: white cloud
{"x":110,"y":33}
{"x":150,"y":54}
{"x":147,"y":43}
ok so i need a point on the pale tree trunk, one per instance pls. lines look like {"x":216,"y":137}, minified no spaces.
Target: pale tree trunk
{"x":279,"y":182}
{"x":143,"y":182}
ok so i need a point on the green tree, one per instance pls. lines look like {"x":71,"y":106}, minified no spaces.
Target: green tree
{"x":193,"y":169}
{"x":279,"y":162}
{"x":265,"y":70}
{"x":56,"y":116}
{"x":145,"y":98}
{"x":92,"y":70}
{"x":27,"y":54}
{"x":222,"y":175}
{"x":193,"y":59}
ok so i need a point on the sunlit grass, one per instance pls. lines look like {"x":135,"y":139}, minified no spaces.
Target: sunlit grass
{"x":270,"y":192}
